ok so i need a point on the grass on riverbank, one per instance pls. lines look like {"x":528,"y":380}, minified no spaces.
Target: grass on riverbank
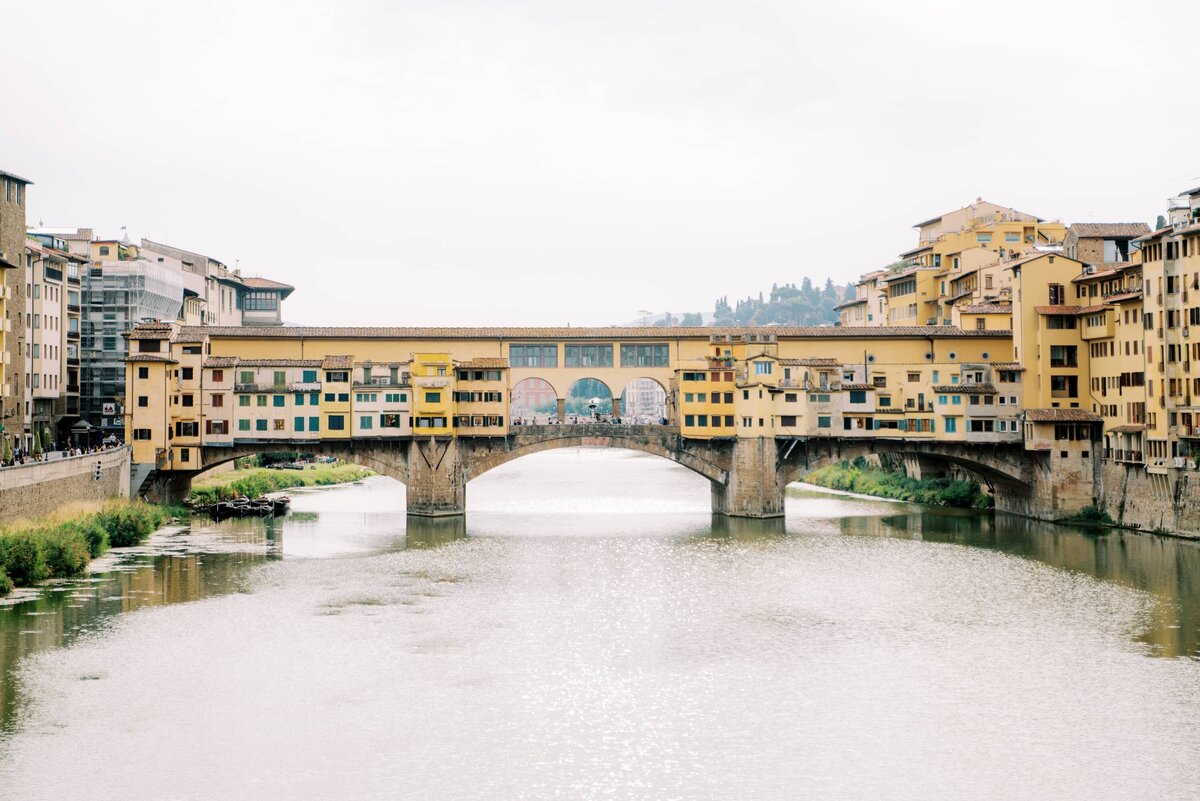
{"x":256,"y":481}
{"x":863,"y":479}
{"x":62,"y":547}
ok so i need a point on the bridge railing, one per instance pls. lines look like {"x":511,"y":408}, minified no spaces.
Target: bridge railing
{"x":593,"y":429}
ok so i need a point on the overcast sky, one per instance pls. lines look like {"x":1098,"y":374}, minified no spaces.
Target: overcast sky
{"x":444,"y":162}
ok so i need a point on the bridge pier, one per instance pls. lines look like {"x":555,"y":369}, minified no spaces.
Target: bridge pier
{"x":436,"y":484}
{"x":753,"y":488}
{"x":164,"y":487}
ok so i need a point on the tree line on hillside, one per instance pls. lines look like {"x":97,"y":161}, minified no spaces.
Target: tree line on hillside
{"x":787,"y":304}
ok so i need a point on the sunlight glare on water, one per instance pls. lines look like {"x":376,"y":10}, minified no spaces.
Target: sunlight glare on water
{"x":599,"y":635}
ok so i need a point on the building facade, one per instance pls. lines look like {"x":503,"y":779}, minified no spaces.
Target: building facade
{"x":199,"y":386}
{"x":13,"y":197}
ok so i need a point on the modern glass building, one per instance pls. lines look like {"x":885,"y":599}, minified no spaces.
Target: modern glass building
{"x":116,"y":295}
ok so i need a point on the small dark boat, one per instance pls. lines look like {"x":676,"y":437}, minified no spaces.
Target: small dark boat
{"x":259,"y":507}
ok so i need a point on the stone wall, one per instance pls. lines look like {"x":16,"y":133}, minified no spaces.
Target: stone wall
{"x":1133,"y":497}
{"x":41,"y":488}
{"x":12,"y":245}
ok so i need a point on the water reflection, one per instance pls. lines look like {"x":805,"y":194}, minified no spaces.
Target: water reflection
{"x":66,"y":611}
{"x":633,"y":646}
{"x":1168,"y":569}
{"x":745,"y":528}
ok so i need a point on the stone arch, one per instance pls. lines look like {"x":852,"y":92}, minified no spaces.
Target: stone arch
{"x":532,"y":397}
{"x":648,"y":402}
{"x":598,"y":436}
{"x":387,"y":458}
{"x":585,"y":389}
{"x":993,"y":469}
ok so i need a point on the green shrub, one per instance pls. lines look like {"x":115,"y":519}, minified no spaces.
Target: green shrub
{"x":22,"y":557}
{"x":6,"y":584}
{"x":130,"y":524}
{"x":1091,"y":515}
{"x":94,"y":535}
{"x":864,"y":480}
{"x":256,"y":483}
{"x":65,"y":550}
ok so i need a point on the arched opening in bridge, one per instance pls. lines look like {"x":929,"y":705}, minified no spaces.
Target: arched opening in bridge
{"x":532,"y":400}
{"x":582,"y":486}
{"x":644,"y":400}
{"x":589,"y":399}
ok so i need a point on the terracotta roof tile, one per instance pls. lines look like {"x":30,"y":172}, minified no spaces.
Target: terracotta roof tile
{"x":188,"y":339}
{"x":150,"y":331}
{"x":341,"y":362}
{"x":987,"y":308}
{"x":265,"y":283}
{"x":279,"y":363}
{"x":1056,"y":309}
{"x":484,"y":362}
{"x":1011,"y":366}
{"x":858,"y":386}
{"x":1109,"y":230}
{"x":149,"y":357}
{"x":615,"y":333}
{"x":1061,"y":416}
{"x":1128,"y":428}
{"x":810,"y":361}
{"x":965,"y":389}
{"x":220,"y":361}
{"x":1095,"y":276}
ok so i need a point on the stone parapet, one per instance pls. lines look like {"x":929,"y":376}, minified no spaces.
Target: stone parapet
{"x":42,"y":488}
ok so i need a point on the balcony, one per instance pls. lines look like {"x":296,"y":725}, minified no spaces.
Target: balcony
{"x":261,"y":388}
{"x":305,"y":386}
{"x":73,"y":388}
{"x":1132,"y":457}
{"x":382,"y":381}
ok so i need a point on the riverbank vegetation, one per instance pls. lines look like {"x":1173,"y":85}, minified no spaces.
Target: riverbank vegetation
{"x":254,"y":482}
{"x":61,"y":547}
{"x":1090,"y":516}
{"x":860,"y":477}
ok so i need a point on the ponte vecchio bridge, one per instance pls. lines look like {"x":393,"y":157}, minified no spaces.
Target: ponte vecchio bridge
{"x":748,"y":409}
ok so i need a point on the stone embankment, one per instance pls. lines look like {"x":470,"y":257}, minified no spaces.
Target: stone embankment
{"x":1168,"y":503}
{"x":38,"y":489}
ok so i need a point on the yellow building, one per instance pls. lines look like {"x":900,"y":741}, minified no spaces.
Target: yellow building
{"x":1113,"y":335}
{"x":968,"y":248}
{"x":989,"y":316}
{"x":912,"y":296}
{"x":868,"y":307}
{"x":223,"y":386}
{"x":433,"y":394}
{"x":481,"y":397}
{"x":1171,"y":273}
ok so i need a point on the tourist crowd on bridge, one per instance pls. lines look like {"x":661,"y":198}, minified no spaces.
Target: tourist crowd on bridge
{"x":583,"y":419}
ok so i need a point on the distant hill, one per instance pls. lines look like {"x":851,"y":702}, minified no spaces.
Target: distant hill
{"x":786,"y":305}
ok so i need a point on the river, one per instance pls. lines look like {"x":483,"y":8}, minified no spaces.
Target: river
{"x":595,"y":633}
